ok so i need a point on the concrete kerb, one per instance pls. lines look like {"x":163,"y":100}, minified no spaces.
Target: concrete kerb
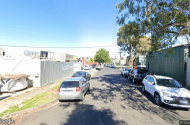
{"x":31,"y":109}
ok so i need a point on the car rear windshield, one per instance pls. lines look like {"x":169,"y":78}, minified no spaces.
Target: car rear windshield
{"x":78,"y":74}
{"x":69,"y":84}
{"x":168,"y":83}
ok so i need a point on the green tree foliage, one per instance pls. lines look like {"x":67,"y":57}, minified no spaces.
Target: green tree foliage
{"x":91,"y":60}
{"x":166,"y":20}
{"x":102,"y":56}
{"x":131,"y":41}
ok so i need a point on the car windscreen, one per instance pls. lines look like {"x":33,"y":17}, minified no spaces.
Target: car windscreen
{"x":168,"y":83}
{"x":125,"y":69}
{"x":69,"y":84}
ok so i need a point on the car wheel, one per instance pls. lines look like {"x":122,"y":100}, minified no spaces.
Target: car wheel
{"x":157,"y":99}
{"x":143,"y":88}
{"x":82,"y":97}
{"x":186,"y":109}
{"x":89,"y":90}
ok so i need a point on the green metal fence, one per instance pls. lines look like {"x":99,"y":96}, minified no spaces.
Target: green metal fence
{"x":171,"y":65}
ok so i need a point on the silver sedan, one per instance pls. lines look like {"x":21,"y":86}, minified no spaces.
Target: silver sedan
{"x":73,"y":88}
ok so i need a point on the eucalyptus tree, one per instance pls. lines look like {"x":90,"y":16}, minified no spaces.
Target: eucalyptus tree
{"x":165,"y":20}
{"x":132,"y":41}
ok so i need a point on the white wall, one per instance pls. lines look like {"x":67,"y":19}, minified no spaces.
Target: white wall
{"x":76,"y":66}
{"x":28,"y":67}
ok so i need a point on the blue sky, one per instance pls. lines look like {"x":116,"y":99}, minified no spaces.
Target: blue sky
{"x":58,"y":23}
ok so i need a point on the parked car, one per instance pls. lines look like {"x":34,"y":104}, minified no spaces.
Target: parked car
{"x":124,"y":70}
{"x":137,"y":75}
{"x":83,"y":74}
{"x":108,"y":65}
{"x":86,"y":67}
{"x":127,"y":72}
{"x":166,"y":90}
{"x":73,"y":88}
{"x":112,"y":66}
{"x":98,"y":67}
{"x":101,"y":66}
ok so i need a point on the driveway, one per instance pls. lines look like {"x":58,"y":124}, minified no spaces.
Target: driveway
{"x":113,"y":101}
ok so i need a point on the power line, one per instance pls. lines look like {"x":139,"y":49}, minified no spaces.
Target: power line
{"x":56,"y":47}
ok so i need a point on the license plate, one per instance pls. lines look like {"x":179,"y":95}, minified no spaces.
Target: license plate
{"x":67,"y":90}
{"x":183,"y":101}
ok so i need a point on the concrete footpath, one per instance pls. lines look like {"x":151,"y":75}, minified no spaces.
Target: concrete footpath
{"x":8,"y":100}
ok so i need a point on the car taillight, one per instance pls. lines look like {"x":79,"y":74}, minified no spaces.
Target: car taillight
{"x":58,"y":89}
{"x":78,"y":89}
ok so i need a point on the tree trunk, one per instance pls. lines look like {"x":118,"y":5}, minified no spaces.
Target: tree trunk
{"x":131,"y":56}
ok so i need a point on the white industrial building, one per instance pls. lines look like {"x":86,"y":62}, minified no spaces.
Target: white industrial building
{"x":38,"y":66}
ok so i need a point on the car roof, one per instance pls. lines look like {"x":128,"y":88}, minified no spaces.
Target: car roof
{"x":74,"y":79}
{"x":81,"y":72}
{"x":160,"y":77}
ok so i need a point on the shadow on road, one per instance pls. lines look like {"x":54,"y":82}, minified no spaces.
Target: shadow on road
{"x":87,"y":115}
{"x":132,"y":97}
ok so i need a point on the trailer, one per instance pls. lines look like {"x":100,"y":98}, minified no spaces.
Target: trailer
{"x":11,"y":83}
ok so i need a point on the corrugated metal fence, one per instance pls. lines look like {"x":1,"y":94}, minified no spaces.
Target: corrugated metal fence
{"x":54,"y":71}
{"x":171,"y":65}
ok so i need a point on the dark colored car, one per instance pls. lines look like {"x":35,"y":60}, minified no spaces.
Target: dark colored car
{"x":126,"y":73}
{"x":137,"y":75}
{"x":83,"y":74}
{"x":112,"y":66}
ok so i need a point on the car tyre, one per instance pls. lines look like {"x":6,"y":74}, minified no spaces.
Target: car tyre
{"x":143,"y":88}
{"x":89,"y":90}
{"x":157,"y":99}
{"x":82,"y":97}
{"x":134,"y":81}
{"x":186,"y":109}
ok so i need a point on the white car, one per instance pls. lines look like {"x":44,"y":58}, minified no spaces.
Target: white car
{"x":86,"y":67}
{"x":166,"y":90}
{"x":124,"y":70}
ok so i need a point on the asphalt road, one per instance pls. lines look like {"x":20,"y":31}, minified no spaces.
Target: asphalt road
{"x":113,"y":101}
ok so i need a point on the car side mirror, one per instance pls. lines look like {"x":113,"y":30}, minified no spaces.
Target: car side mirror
{"x":153,"y":83}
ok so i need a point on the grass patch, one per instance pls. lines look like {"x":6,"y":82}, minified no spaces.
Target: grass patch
{"x":37,"y":100}
{"x":56,"y":86}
